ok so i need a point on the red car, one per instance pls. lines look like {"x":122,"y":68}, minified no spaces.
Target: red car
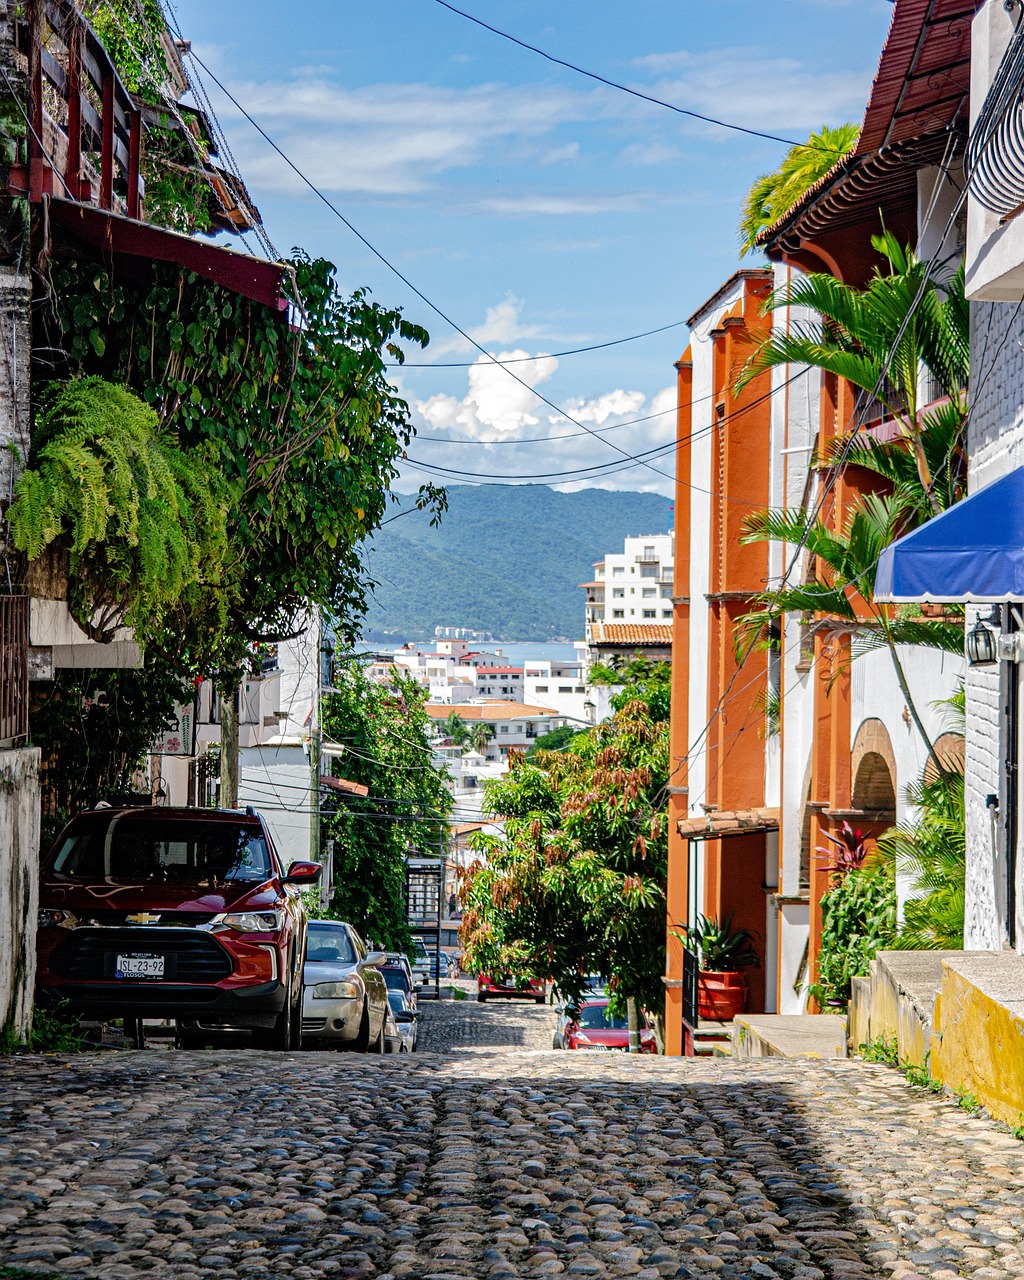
{"x":594,"y":1028}
{"x":175,"y":913}
{"x":525,"y":988}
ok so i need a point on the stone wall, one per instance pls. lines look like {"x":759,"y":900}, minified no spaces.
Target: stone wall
{"x":19,"y":884}
{"x":995,"y":447}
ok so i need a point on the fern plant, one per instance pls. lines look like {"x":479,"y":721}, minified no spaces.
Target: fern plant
{"x":142,"y":521}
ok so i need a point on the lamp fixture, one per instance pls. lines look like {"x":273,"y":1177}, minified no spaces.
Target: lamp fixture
{"x":982,"y":641}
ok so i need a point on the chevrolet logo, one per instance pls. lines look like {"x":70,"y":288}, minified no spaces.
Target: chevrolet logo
{"x":142,"y":917}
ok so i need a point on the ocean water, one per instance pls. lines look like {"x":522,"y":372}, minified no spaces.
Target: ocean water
{"x":516,"y":653}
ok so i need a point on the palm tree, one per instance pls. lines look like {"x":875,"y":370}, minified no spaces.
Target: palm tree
{"x":842,"y":595}
{"x":879,"y":339}
{"x":774,"y":194}
{"x":456,"y":728}
{"x":479,"y":736}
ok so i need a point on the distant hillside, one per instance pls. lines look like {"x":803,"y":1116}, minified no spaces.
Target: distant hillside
{"x":506,"y":559}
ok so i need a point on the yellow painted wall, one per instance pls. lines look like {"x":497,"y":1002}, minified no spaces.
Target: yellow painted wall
{"x":978,"y":1047}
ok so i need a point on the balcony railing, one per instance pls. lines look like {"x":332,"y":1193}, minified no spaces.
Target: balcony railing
{"x":13,"y":670}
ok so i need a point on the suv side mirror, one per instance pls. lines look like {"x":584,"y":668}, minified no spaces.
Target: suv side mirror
{"x":373,"y":958}
{"x":405,"y":1015}
{"x":303,"y":873}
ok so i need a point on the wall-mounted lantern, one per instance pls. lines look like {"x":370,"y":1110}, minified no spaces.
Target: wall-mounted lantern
{"x":983,"y":640}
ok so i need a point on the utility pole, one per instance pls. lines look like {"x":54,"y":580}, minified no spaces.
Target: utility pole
{"x":229,"y":750}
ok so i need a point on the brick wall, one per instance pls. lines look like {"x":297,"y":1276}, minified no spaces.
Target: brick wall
{"x":995,"y":446}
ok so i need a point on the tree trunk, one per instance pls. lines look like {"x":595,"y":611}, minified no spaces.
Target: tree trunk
{"x":633,"y":1019}
{"x":229,"y":750}
{"x":901,"y":680}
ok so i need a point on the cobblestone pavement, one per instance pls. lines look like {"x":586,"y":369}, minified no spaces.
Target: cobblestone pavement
{"x":496,"y":1163}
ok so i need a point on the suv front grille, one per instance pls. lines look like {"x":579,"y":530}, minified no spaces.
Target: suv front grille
{"x":90,"y":955}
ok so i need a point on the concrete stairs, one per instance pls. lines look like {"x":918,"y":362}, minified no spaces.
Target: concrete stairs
{"x":780,"y":1035}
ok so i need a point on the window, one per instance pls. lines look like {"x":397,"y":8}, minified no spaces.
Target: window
{"x":650,"y":613}
{"x":503,"y":728}
{"x":666,"y":591}
{"x":648,"y":553}
{"x":618,"y":593}
{"x":542,"y":688}
{"x":617,"y":571}
{"x":618,"y":613}
{"x":565,"y":688}
{"x":649,"y":593}
{"x":648,"y":571}
{"x":666,"y":613}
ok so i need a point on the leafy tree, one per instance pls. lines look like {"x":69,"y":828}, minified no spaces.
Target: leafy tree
{"x":301,"y":421}
{"x":854,"y":337}
{"x":577,"y":884}
{"x":774,"y":194}
{"x":555,"y":740}
{"x":386,"y":733}
{"x":842,"y":593}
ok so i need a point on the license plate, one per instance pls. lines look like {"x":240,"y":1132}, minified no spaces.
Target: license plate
{"x":139,"y":964}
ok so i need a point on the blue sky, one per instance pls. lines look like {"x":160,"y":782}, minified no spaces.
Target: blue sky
{"x":542,"y":211}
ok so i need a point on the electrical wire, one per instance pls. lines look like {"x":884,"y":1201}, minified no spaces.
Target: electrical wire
{"x":404,"y":278}
{"x":613,"y":84}
{"x":548,"y":355}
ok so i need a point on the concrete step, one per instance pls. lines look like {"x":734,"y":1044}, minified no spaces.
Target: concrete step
{"x":781,"y":1035}
{"x":897,"y":1002}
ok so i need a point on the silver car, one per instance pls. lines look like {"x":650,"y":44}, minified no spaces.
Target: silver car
{"x":344,"y":997}
{"x":406,"y":1017}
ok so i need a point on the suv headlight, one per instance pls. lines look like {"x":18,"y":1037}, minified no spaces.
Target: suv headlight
{"x":253,"y":921}
{"x":50,"y":916}
{"x":336,"y":991}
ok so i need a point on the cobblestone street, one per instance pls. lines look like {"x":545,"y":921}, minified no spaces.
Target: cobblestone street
{"x":499,"y":1158}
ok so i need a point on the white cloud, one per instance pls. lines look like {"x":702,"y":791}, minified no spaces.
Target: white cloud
{"x":746,"y":88}
{"x":532,"y":204}
{"x":495,"y":404}
{"x":648,"y":153}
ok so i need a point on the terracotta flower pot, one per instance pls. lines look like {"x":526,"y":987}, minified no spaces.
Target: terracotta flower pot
{"x":720,"y":996}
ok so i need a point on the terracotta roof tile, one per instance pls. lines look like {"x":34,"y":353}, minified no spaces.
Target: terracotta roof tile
{"x":638,"y":633}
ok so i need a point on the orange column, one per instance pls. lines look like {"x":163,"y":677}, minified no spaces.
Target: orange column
{"x":678,"y":794}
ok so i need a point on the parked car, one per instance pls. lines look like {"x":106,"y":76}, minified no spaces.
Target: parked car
{"x":595,"y":984}
{"x":406,"y":1018}
{"x":175,"y":913}
{"x":345,"y":1001}
{"x":594,"y":1027}
{"x":397,"y":975}
{"x":487,"y":987}
{"x":393,"y":1041}
{"x":432,"y":967}
{"x":419,"y":961}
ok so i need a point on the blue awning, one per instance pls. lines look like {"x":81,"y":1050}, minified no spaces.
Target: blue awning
{"x":972,"y":553}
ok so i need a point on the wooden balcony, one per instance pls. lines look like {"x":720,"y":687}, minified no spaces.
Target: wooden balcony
{"x":13,"y":670}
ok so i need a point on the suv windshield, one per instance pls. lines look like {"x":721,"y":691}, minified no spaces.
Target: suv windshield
{"x":329,"y":944}
{"x":148,"y":848}
{"x":396,"y":979}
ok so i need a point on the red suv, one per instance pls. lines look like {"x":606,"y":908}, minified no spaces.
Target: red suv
{"x":488,"y":986}
{"x":175,"y":913}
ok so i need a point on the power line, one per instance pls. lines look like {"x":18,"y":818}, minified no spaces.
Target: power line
{"x":404,"y":278}
{"x":614,"y":84}
{"x":550,"y":355}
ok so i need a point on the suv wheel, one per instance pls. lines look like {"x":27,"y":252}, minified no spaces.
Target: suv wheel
{"x":481,"y":998}
{"x":286,"y":1032}
{"x":378,"y":1045}
{"x":362,"y":1041}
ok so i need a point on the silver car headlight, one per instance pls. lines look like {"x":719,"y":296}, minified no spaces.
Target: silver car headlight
{"x":253,"y":921}
{"x":336,"y":991}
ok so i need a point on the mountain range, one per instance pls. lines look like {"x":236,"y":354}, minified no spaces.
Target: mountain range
{"x":506,"y":559}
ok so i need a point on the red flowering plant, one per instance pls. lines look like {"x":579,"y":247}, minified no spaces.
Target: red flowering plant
{"x":849,"y":851}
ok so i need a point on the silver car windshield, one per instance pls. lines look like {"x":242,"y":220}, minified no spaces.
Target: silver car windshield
{"x":329,"y":944}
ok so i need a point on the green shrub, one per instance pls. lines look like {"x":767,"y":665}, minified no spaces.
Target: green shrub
{"x":858,"y":918}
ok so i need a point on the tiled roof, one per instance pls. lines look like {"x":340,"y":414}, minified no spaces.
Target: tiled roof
{"x":919,"y":93}
{"x":499,"y":671}
{"x":638,"y":633}
{"x":495,"y":710}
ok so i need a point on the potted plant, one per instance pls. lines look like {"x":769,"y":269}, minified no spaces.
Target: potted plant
{"x":722,"y":953}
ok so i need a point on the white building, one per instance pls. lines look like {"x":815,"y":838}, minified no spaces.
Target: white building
{"x":634,"y":586}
